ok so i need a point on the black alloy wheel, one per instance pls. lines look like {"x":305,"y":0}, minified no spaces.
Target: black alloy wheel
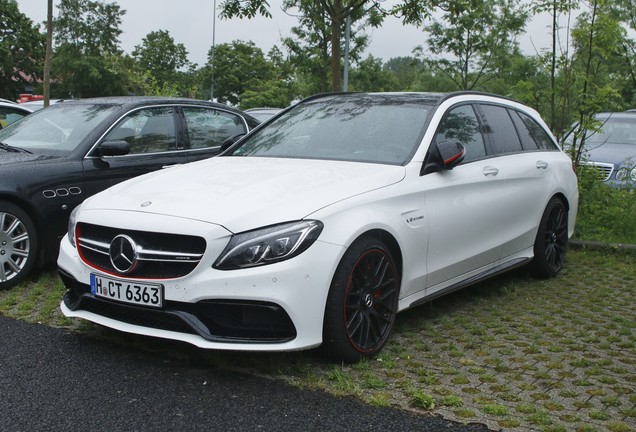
{"x":362,"y":302}
{"x":552,"y":240}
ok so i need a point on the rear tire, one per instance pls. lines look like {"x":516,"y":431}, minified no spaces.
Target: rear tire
{"x":18,"y":245}
{"x":551,"y":243}
{"x":362,"y":302}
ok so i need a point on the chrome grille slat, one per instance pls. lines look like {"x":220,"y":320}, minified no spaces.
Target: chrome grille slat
{"x":159,"y":255}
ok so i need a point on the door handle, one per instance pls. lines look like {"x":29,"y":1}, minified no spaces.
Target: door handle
{"x":542,"y":164}
{"x":490,"y":171}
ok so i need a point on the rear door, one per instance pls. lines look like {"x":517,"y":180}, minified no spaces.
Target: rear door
{"x":526,"y":166}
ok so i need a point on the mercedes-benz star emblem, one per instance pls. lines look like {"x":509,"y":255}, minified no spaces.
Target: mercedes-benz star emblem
{"x":123,"y":253}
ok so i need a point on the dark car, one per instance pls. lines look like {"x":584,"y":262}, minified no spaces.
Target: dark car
{"x":55,"y":158}
{"x":612,"y":149}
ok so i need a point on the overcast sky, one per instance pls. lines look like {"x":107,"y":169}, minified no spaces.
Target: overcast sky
{"x":190,"y":22}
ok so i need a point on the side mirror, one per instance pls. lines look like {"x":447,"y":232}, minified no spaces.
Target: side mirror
{"x":113,"y":148}
{"x":230,"y":141}
{"x":445,"y":155}
{"x":452,"y":153}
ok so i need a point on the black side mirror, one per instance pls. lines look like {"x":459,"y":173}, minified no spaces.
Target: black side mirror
{"x":230,"y":141}
{"x":113,"y":148}
{"x":445,"y":155}
{"x":452,"y":153}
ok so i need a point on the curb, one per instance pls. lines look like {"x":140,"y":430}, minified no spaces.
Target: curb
{"x":595,"y":245}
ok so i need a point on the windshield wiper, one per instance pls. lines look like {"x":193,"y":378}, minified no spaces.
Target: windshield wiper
{"x":13,"y":149}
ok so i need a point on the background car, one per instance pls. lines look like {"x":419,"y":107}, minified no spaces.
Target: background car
{"x":11,"y":112}
{"x":55,"y":158}
{"x":263,"y":114}
{"x":318,"y":227}
{"x":612,"y":149}
{"x":38,"y":104}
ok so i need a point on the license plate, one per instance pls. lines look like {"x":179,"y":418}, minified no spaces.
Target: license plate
{"x":127,"y":291}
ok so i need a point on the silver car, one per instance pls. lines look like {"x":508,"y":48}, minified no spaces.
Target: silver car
{"x":612,"y":149}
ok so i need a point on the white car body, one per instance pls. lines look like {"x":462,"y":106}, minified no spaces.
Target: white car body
{"x":451,"y":228}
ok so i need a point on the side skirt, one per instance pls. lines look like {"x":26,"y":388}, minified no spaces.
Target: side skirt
{"x":501,"y":268}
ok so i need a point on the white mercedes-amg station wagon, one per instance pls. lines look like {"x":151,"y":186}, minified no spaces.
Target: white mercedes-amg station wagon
{"x":319,"y":227}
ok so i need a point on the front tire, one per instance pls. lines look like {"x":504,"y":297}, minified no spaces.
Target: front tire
{"x":362,"y":302}
{"x":552,"y":241}
{"x":18,"y":245}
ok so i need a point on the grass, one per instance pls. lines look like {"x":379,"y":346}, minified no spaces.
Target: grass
{"x":513,"y":352}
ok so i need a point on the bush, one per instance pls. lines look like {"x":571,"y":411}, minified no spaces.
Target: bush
{"x":606,"y":214}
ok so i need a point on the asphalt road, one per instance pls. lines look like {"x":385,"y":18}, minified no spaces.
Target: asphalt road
{"x":52,"y":380}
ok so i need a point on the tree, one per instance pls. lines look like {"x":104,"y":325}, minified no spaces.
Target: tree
{"x":161,"y":57}
{"x":21,"y":50}
{"x":470,"y":34}
{"x":238,"y":66}
{"x":598,"y":39}
{"x":370,"y":76}
{"x":326,"y":16}
{"x":87,"y":32}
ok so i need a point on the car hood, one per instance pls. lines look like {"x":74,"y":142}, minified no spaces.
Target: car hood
{"x":616,"y":154}
{"x":242,"y":193}
{"x":13,"y":158}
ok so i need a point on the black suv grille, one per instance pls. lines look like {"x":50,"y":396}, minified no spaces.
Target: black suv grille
{"x":156,"y":255}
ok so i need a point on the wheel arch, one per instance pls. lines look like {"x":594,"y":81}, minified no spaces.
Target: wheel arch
{"x":390,"y":241}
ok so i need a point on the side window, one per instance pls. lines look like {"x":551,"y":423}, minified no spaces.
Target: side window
{"x":502,"y":133}
{"x":210,"y":127}
{"x":539,"y":135}
{"x":149,"y":130}
{"x":527,"y":142}
{"x":8,"y":116}
{"x":461,"y":124}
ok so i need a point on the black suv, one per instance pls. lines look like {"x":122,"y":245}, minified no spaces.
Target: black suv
{"x":55,"y":158}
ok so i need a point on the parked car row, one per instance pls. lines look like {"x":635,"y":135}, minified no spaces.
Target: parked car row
{"x":55,"y":158}
{"x":315,"y":229}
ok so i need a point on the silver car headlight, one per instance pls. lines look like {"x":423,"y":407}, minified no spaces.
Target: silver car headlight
{"x":622,"y":174}
{"x":268,"y":245}
{"x":72,"y":222}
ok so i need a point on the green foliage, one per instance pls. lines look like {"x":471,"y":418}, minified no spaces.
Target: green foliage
{"x":605,"y":214}
{"x":471,"y":34}
{"x":21,"y":50}
{"x":161,"y":57}
{"x":87,"y":35}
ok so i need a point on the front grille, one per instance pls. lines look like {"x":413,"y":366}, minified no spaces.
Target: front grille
{"x":239,"y":321}
{"x":605,"y":170}
{"x":158,"y":255}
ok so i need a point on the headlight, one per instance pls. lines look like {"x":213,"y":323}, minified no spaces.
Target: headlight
{"x":632,"y":175}
{"x":72,"y":221}
{"x":268,"y":245}
{"x":622,"y":174}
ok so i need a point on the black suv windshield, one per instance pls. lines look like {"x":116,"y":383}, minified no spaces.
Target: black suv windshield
{"x":58,"y":129}
{"x":365,"y":128}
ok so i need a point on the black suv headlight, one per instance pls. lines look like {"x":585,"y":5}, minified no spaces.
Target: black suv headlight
{"x":268,"y":245}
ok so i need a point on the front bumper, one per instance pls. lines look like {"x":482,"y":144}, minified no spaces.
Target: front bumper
{"x":276,"y":307}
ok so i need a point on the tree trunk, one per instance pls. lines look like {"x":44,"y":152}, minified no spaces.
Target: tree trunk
{"x":47,"y":56}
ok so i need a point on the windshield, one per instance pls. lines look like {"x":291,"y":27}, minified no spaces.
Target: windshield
{"x":615,"y":131}
{"x":57,"y":130}
{"x":364,"y":128}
